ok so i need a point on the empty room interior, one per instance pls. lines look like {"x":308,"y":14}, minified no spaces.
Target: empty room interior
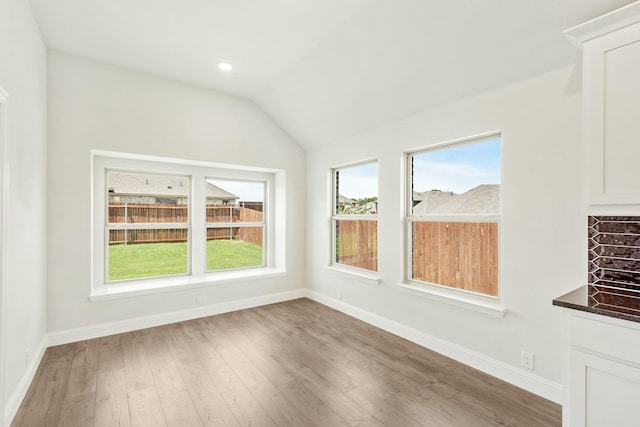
{"x":319,"y":213}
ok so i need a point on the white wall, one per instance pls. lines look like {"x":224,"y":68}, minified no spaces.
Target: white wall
{"x":543,"y":227}
{"x":96,"y":106}
{"x":23,"y":60}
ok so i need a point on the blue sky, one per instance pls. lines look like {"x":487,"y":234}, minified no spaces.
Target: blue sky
{"x":458,"y":168}
{"x":359,"y":182}
{"x":246,"y":190}
{"x":453,"y":168}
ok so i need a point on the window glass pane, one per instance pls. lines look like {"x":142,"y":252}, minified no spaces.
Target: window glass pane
{"x":461,"y":179}
{"x":447,"y":183}
{"x":356,"y":194}
{"x":234,"y":247}
{"x":357,"y":190}
{"x":357,"y":243}
{"x":136,"y":198}
{"x":140,"y":253}
{"x":461,"y":255}
{"x":234,"y":202}
{"x":149,"y":198}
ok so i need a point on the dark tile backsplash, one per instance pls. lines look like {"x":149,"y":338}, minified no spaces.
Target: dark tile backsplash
{"x":614,"y":252}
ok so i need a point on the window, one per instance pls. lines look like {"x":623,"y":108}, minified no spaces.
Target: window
{"x":159,"y":223}
{"x":355,"y":216}
{"x":235,"y":224}
{"x":453,"y":215}
{"x":147,"y":224}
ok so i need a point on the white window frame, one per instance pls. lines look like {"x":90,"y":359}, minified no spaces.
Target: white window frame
{"x":197,"y":275}
{"x":475,"y":301}
{"x":365,"y":275}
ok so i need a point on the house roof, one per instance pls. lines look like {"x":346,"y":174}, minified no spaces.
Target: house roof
{"x":431,"y":199}
{"x":345,"y":200}
{"x":124,"y":183}
{"x":483,"y":199}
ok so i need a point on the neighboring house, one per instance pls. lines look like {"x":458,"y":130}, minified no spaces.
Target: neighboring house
{"x":483,"y":199}
{"x":345,"y":201}
{"x":432,"y":199}
{"x":352,"y":206}
{"x":162,"y":189}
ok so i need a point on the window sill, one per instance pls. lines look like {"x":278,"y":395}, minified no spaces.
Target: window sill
{"x":369,"y":278}
{"x":464,"y":301}
{"x":179,"y":283}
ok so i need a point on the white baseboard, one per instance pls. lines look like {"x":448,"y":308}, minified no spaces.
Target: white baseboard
{"x":13,"y":404}
{"x":105,"y":329}
{"x":528,"y":381}
{"x":525,"y":380}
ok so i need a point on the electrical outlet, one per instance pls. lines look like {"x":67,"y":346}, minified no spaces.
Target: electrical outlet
{"x":526,"y":359}
{"x":201,"y":298}
{"x":339,"y":293}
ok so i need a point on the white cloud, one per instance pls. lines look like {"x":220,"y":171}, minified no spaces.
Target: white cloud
{"x":247,"y":191}
{"x":358,"y":187}
{"x":451,"y":176}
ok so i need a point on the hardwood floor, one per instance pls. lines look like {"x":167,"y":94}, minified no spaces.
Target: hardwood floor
{"x":296,"y":363}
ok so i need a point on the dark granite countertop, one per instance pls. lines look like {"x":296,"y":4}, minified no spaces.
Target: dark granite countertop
{"x":621,"y":303}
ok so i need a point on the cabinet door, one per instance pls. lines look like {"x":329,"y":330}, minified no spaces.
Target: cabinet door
{"x":612,"y":116}
{"x":603,"y":392}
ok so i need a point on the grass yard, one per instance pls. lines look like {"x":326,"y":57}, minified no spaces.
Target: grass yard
{"x":223,"y":254}
{"x":161,"y":259}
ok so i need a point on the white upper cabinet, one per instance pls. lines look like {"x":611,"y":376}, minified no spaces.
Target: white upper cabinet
{"x":611,"y":104}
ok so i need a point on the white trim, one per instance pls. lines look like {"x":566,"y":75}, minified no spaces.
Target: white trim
{"x":187,"y":162}
{"x":476,"y":301}
{"x":334,"y":193}
{"x":198,"y":173}
{"x":460,"y":298}
{"x":134,"y":288}
{"x":612,"y":21}
{"x":493,"y":219}
{"x":526,"y":380}
{"x":355,"y":164}
{"x":117,"y":327}
{"x":365,"y":276}
{"x":481,"y":137}
{"x":11,"y":409}
{"x":4,"y":166}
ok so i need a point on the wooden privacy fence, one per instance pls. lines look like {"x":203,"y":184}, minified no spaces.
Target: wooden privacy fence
{"x":146,"y":213}
{"x":251,"y":234}
{"x":461,"y":255}
{"x":142,"y":213}
{"x":357,"y":243}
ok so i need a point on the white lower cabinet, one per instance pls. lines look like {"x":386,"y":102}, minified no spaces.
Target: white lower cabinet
{"x":604,"y":373}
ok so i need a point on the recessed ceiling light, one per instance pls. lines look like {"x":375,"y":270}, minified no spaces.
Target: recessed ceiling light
{"x":224,"y":66}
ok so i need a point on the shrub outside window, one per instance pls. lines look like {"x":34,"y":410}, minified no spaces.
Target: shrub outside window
{"x":355,"y":216}
{"x":453,"y":215}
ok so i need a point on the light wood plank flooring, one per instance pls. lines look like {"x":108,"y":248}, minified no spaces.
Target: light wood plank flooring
{"x":296,"y":363}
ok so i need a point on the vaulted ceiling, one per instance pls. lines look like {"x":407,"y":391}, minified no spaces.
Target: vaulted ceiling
{"x":326,"y":69}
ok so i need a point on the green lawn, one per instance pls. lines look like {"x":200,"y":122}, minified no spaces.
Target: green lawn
{"x":223,"y":254}
{"x":160,"y":259}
